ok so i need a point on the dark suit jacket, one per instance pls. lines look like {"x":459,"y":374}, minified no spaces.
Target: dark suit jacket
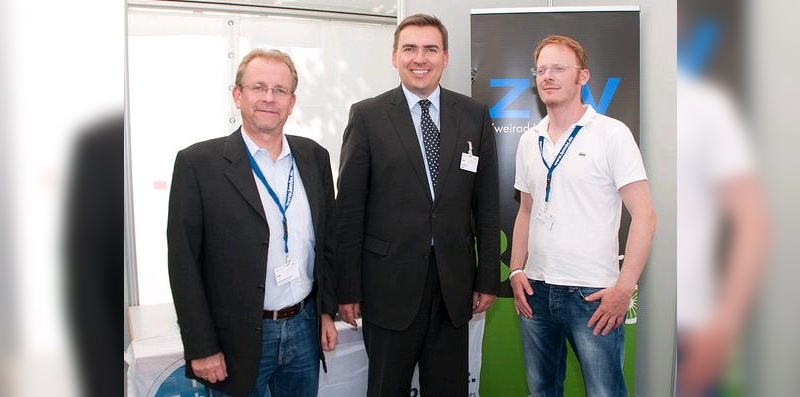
{"x":386,"y":217}
{"x":218,"y":239}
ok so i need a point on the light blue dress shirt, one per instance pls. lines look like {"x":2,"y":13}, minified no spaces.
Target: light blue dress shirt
{"x":416,"y":116}
{"x":300,"y":225}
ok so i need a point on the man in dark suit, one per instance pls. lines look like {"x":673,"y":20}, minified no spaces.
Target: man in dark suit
{"x":417,"y":185}
{"x":251,"y":236}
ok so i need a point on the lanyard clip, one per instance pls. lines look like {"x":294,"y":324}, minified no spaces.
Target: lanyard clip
{"x":470,"y":147}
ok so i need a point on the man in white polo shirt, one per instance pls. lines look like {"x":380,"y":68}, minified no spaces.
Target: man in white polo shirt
{"x":574,"y":170}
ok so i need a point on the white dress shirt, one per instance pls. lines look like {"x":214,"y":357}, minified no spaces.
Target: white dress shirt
{"x":300,"y":226}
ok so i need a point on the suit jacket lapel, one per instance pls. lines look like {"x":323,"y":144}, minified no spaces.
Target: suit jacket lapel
{"x":449,"y":114}
{"x":404,"y":127}
{"x":240,"y":173}
{"x":305,"y":165}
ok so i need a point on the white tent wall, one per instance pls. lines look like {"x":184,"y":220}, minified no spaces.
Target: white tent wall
{"x":181,"y":67}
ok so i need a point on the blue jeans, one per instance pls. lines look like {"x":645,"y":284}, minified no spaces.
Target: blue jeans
{"x":289,"y":364}
{"x":560,"y":314}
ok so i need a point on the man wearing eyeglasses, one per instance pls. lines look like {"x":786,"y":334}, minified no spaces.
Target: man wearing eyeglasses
{"x":574,"y":170}
{"x":251,"y":234}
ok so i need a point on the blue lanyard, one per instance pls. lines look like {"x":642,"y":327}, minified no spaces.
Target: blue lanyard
{"x":289,"y":194}
{"x":556,"y":161}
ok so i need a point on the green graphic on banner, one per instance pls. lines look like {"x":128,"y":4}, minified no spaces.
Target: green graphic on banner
{"x":503,"y":368}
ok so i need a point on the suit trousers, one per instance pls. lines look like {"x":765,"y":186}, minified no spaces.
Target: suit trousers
{"x":431,"y":340}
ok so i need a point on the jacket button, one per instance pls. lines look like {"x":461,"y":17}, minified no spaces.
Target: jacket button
{"x":261,"y":286}
{"x":258,"y":330}
{"x":265,"y":243}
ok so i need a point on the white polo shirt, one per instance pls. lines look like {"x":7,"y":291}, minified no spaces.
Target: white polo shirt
{"x":582,"y":247}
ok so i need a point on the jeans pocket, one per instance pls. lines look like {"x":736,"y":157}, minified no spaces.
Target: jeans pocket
{"x":309,"y":311}
{"x":584,"y":292}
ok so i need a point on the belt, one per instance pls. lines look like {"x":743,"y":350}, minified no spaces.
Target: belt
{"x":286,"y":312}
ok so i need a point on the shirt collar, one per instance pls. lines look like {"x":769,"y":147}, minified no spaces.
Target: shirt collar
{"x":413,"y":99}
{"x":588,"y":116}
{"x":253,"y":148}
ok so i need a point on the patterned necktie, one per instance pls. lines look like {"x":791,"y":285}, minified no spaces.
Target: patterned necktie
{"x":431,"y":138}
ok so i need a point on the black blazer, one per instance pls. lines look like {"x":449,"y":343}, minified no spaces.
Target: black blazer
{"x":386,"y":217}
{"x":218,"y":238}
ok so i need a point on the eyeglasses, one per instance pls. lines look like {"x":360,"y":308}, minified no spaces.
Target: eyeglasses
{"x":261,"y":90}
{"x":555,"y":68}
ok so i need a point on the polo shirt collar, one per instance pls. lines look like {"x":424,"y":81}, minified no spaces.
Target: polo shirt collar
{"x":588,"y":116}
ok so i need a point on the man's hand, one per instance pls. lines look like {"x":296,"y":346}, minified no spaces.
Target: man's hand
{"x":705,"y":353}
{"x":350,"y":312}
{"x":481,"y":302}
{"x":211,"y":368}
{"x":522,"y":290}
{"x":614,"y":304}
{"x":329,"y":335}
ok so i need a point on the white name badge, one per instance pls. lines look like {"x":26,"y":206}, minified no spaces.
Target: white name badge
{"x":545,"y":218}
{"x":287,"y":273}
{"x":469,"y":162}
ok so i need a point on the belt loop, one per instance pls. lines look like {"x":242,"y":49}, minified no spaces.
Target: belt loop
{"x":303,"y":303}
{"x":275,"y":315}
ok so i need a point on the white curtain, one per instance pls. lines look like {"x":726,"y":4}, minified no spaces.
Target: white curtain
{"x":182,"y":67}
